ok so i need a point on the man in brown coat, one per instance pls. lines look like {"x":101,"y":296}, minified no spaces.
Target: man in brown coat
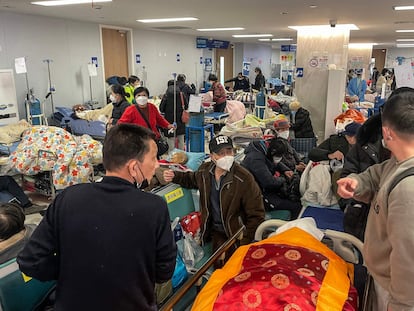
{"x":229,"y":195}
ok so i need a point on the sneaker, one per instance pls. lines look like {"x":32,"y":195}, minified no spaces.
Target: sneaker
{"x":34,"y":209}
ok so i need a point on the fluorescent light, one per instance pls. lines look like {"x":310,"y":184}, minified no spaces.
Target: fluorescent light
{"x":253,"y":36}
{"x":166,"y":20}
{"x":276,"y":39}
{"x":403,"y":7}
{"x":265,"y":40}
{"x":405,"y":40}
{"x":67,"y":2}
{"x":405,"y":45}
{"x":405,"y":30}
{"x":282,"y":39}
{"x":220,"y":29}
{"x":361,"y":45}
{"x":324,"y":27}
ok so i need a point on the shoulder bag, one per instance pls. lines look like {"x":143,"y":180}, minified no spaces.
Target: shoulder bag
{"x":185,"y":116}
{"x":161,"y":144}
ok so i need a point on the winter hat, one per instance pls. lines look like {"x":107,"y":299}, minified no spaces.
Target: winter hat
{"x":351,"y":129}
{"x":219,"y":142}
{"x":281,"y":124}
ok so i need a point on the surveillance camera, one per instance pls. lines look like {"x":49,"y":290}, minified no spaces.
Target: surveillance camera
{"x":332,"y":22}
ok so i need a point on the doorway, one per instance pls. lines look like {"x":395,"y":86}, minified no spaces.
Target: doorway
{"x":115,"y":52}
{"x":228,"y":63}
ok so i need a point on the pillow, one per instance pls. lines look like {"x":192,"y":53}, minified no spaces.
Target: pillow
{"x":12,"y":132}
{"x":194,"y":159}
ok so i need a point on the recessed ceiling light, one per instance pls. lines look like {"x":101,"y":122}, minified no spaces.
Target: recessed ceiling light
{"x":405,"y":40}
{"x":405,"y":30}
{"x":313,"y":6}
{"x":67,"y":2}
{"x":220,"y":29}
{"x":167,"y":20}
{"x":276,"y":39}
{"x":264,"y":40}
{"x":405,"y":45}
{"x":283,"y":13}
{"x":252,"y":36}
{"x":361,"y":45}
{"x":323,"y":27}
{"x":403,"y":7}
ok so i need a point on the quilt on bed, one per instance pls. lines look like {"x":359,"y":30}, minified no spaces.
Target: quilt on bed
{"x":49,"y":148}
{"x":289,"y":271}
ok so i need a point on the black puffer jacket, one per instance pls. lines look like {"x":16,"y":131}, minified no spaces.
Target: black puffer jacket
{"x":167,"y":108}
{"x":368,"y":150}
{"x":302,"y":125}
{"x":333,"y":143}
{"x":262,"y":168}
{"x":186,"y":89}
{"x":118,"y":110}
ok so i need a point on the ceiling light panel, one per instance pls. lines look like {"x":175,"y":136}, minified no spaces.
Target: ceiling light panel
{"x":403,"y":7}
{"x":253,"y":36}
{"x":405,"y":30}
{"x":67,"y":2}
{"x":405,"y":40}
{"x":220,"y":29}
{"x":167,"y":20}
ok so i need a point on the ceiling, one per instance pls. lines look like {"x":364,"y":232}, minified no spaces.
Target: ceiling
{"x":376,"y":20}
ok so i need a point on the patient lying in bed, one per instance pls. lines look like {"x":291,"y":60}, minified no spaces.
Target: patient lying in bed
{"x":289,"y":271}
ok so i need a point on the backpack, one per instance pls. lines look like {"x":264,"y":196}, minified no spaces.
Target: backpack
{"x":356,"y":213}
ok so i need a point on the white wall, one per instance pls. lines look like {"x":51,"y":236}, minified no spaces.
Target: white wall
{"x":259,"y":55}
{"x":71,"y":44}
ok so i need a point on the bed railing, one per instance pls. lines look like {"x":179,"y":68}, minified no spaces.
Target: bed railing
{"x":196,"y":278}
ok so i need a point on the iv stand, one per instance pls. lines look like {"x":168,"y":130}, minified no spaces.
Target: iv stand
{"x":51,"y":88}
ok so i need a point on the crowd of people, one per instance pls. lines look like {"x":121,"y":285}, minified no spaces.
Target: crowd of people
{"x":137,"y":240}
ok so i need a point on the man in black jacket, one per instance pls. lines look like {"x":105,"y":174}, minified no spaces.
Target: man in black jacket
{"x":107,"y":243}
{"x":240,"y":83}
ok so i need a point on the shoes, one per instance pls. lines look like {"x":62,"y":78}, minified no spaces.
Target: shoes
{"x":33,"y":209}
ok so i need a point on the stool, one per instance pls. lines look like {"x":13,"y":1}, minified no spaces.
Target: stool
{"x":207,"y":127}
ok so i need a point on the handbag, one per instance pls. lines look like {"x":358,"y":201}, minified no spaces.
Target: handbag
{"x":161,"y":144}
{"x":185,"y":116}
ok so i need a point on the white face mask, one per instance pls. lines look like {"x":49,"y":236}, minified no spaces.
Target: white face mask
{"x":142,"y":100}
{"x":284,"y":134}
{"x":112,"y":98}
{"x":276,"y":160}
{"x":225,"y":162}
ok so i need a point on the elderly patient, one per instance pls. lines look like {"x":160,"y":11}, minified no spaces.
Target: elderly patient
{"x":13,"y":232}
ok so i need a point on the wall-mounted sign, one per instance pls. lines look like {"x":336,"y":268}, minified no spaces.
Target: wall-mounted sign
{"x":178,"y":57}
{"x":299,"y":72}
{"x":288,"y":48}
{"x":205,"y":43}
{"x":208,"y":64}
{"x":246,"y":69}
{"x":313,"y":62}
{"x":94,"y":60}
{"x":138,"y":58}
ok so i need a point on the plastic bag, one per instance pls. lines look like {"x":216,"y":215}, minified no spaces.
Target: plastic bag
{"x":192,"y":252}
{"x":191,"y":224}
{"x":180,"y":272}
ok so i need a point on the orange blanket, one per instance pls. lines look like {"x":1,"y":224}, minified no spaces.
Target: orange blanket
{"x":289,"y":271}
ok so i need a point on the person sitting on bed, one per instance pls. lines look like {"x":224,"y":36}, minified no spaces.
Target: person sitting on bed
{"x":271,"y":175}
{"x":13,"y":232}
{"x":119,"y":102}
{"x":229,"y":195}
{"x":290,"y":158}
{"x":145,"y":114}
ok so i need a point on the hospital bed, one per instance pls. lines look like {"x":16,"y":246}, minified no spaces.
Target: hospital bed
{"x":64,"y":118}
{"x":282,"y":272}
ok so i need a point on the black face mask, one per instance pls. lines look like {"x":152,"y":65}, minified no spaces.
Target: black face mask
{"x":142,"y":185}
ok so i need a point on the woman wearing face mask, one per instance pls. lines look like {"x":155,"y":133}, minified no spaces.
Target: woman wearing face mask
{"x":290,"y":158}
{"x":117,"y":97}
{"x":145,"y":114}
{"x":229,"y":195}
